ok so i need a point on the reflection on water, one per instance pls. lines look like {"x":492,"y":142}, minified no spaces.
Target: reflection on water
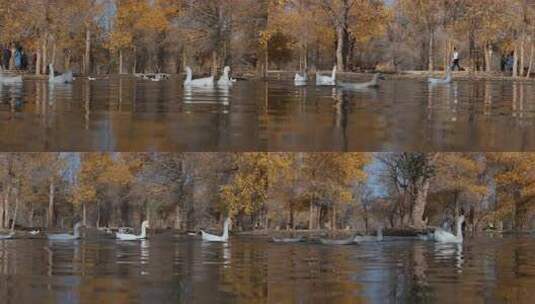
{"x":163,"y":270}
{"x":125,"y":114}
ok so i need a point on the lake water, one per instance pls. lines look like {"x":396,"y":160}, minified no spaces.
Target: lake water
{"x":166,"y":269}
{"x":125,"y":114}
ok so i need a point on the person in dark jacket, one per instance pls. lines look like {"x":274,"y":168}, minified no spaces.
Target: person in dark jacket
{"x":6,"y":57}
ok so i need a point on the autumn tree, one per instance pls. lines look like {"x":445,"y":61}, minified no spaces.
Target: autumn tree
{"x":247,"y":189}
{"x":329,"y":179}
{"x":410,"y":175}
{"x":97,"y":174}
{"x":459,"y":176}
{"x":515,"y":185}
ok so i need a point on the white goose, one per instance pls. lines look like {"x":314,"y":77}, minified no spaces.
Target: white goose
{"x":67,"y":77}
{"x":7,"y":236}
{"x":446,"y":80}
{"x":35,"y":232}
{"x":370,"y":238}
{"x":201,"y":82}
{"x":443,"y":236}
{"x":426,"y":237}
{"x":300,"y":80}
{"x":216,"y":238}
{"x":66,"y":236}
{"x":374,"y":83}
{"x":134,"y":237}
{"x":326,"y":80}
{"x":225,"y":79}
{"x":10,"y":79}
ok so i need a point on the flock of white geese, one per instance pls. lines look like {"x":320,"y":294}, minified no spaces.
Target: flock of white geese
{"x":64,"y":78}
{"x":226,"y":81}
{"x":439,"y":235}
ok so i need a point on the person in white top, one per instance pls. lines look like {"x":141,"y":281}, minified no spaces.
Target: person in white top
{"x":456,"y":60}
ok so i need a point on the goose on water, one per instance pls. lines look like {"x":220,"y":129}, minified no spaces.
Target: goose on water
{"x":443,"y":236}
{"x":7,"y":236}
{"x":66,"y":236}
{"x":426,"y":237}
{"x":200,"y":82}
{"x":370,"y":238}
{"x":216,"y":238}
{"x":66,"y":77}
{"x":35,"y":232}
{"x":322,"y":80}
{"x":300,"y":80}
{"x":134,"y":237}
{"x":374,"y":83}
{"x":225,"y":79}
{"x":10,"y":79}
{"x":288,"y":240}
{"x":445,"y":80}
{"x":348,"y":241}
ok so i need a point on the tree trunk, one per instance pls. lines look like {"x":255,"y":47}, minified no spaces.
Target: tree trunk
{"x":2,"y":211}
{"x":430,"y":51}
{"x":419,"y":205}
{"x":84,"y":214}
{"x":457,"y":210}
{"x":120,"y":61}
{"x":98,"y":216}
{"x":340,"y":48}
{"x":16,"y":212}
{"x":12,"y":59}
{"x":515,"y":214}
{"x":87,"y":55}
{"x":32,"y":216}
{"x":291,"y":220}
{"x":306,"y":57}
{"x":521,"y":60}
{"x":178,"y":222}
{"x":365,"y":214}
{"x":214,"y":63}
{"x":515,"y":62}
{"x":6,"y":206}
{"x":333,"y":226}
{"x":530,"y":63}
{"x":134,"y":66}
{"x":488,"y":58}
{"x":44,"y":59}
{"x":67,"y":61}
{"x":53,"y":59}
{"x":266,"y":67}
{"x":311,"y":217}
{"x":50,"y":214}
{"x":37,"y":63}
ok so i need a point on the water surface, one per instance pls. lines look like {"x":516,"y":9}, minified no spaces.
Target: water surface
{"x":125,"y":114}
{"x":167,"y":269}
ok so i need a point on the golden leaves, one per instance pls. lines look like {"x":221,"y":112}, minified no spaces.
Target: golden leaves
{"x":100,"y":171}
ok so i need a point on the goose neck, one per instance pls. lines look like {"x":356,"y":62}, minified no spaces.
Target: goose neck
{"x":77,"y":231}
{"x":143,"y":231}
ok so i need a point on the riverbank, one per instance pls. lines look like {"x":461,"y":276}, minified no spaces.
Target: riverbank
{"x":345,"y":76}
{"x":416,"y":75}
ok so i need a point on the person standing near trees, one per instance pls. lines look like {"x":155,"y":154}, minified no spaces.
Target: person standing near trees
{"x":456,"y":60}
{"x":6,"y":57}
